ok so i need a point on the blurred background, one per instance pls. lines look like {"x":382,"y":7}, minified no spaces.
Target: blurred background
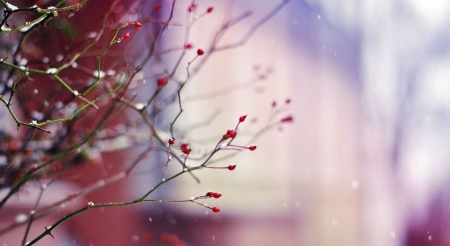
{"x":365,"y":162}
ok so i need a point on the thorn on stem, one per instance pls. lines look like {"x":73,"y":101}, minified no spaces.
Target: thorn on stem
{"x":49,"y":232}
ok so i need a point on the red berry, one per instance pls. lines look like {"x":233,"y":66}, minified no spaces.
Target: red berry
{"x":287,"y":119}
{"x":162,"y":81}
{"x":127,"y":36}
{"x":225,"y":136}
{"x":230,"y":131}
{"x":216,"y":195}
{"x":274,"y":104}
{"x":252,"y":147}
{"x":242,"y":118}
{"x":184,"y":146}
{"x":188,"y":46}
{"x":171,"y":141}
{"x":200,"y":52}
{"x":215,"y":209}
{"x":210,"y":193}
{"x":191,"y":8}
{"x":231,"y":167}
{"x":210,"y":10}
{"x":27,"y":152}
{"x":233,"y":134}
{"x":138,"y":24}
{"x":157,"y":7}
{"x":186,"y":150}
{"x":288,"y":101}
{"x":45,"y":158}
{"x":58,"y":167}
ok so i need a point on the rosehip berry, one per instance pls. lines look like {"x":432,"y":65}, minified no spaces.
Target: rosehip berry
{"x":210,"y":193}
{"x":162,"y":81}
{"x":200,"y":52}
{"x":137,"y":24}
{"x":288,"y":101}
{"x":230,"y":131}
{"x":225,"y":136}
{"x":242,"y":118}
{"x":157,"y":7}
{"x":231,"y":167}
{"x":45,"y":158}
{"x":171,"y":141}
{"x":191,"y":8}
{"x":188,"y":46}
{"x":252,"y":147}
{"x":215,"y":209}
{"x":287,"y":119}
{"x":210,"y":10}
{"x":58,"y":167}
{"x":184,"y":146}
{"x":186,"y":150}
{"x":216,"y":195}
{"x":233,"y":134}
{"x":127,"y":36}
{"x":274,"y":104}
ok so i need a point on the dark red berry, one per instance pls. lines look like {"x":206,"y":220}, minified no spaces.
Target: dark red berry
{"x":186,"y":150}
{"x":183,"y":146}
{"x":200,"y":52}
{"x":138,"y":24}
{"x":157,"y":7}
{"x":188,"y":46}
{"x":230,"y":131}
{"x":162,"y":81}
{"x":225,"y":136}
{"x":231,"y":167}
{"x":210,"y":193}
{"x":288,"y":101}
{"x":252,"y":147}
{"x":216,"y":195}
{"x":171,"y":141}
{"x":215,"y":209}
{"x":242,"y":118}
{"x":58,"y":167}
{"x":210,"y":10}
{"x":127,"y":36}
{"x":287,"y":119}
{"x":233,"y":134}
